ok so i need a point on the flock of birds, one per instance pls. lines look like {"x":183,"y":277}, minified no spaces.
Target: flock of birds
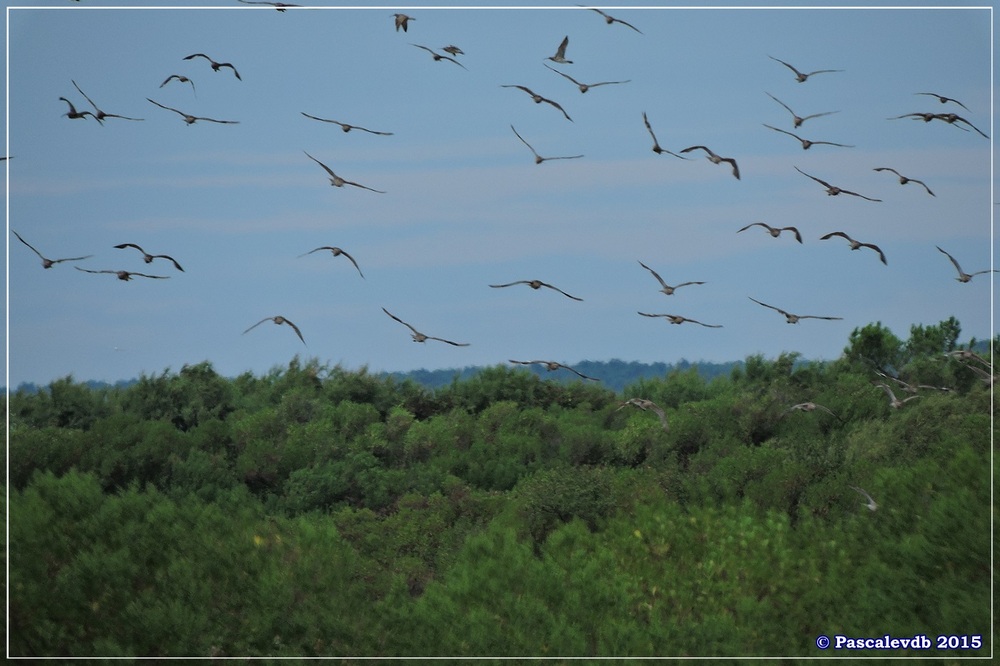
{"x":453,"y":54}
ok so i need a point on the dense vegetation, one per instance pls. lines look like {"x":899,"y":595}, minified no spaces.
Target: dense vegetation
{"x":317,"y":511}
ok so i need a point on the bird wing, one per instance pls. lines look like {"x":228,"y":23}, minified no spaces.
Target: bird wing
{"x":855,"y":194}
{"x":28,"y":244}
{"x":525,"y":89}
{"x":818,"y":180}
{"x":564,"y":75}
{"x":454,"y":344}
{"x":400,"y":321}
{"x":836,"y":233}
{"x":797,"y":72}
{"x":649,"y":128}
{"x":787,"y":108}
{"x":817,"y":115}
{"x":172,"y":260}
{"x":87,"y":270}
{"x":818,"y":317}
{"x":258,"y":323}
{"x":162,"y":106}
{"x":881,"y":254}
{"x":525,"y":142}
{"x":955,"y":263}
{"x":831,"y":143}
{"x":85,"y":95}
{"x":230,"y":66}
{"x":296,"y":329}
{"x":657,"y":275}
{"x":510,"y":284}
{"x":325,"y":120}
{"x":577,"y":372}
{"x":889,"y":169}
{"x":325,"y":167}
{"x":549,"y":101}
{"x":757,"y":224}
{"x":364,"y":187}
{"x":353,"y":262}
{"x":695,"y":321}
{"x":325,"y":247}
{"x":213,"y":120}
{"x":782,"y":131}
{"x":561,"y":51}
{"x":431,"y":51}
{"x":545,"y":284}
{"x":824,"y":71}
{"x":684,"y":284}
{"x":795,"y":231}
{"x":864,"y":493}
{"x":688,"y":150}
{"x":913,"y":180}
{"x":736,"y":168}
{"x":155,"y":277}
{"x":59,"y":261}
{"x":767,"y":306}
{"x":125,"y":245}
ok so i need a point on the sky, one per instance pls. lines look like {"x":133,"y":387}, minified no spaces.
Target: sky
{"x":465,"y":206}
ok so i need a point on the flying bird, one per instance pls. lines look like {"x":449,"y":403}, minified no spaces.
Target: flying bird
{"x":677,"y":319}
{"x":538,"y":158}
{"x":148,"y":258}
{"x":792,"y":318}
{"x":584,"y":87}
{"x":535,"y":284}
{"x":962,"y":275}
{"x":216,"y":66}
{"x":48,"y":263}
{"x":345,"y":126}
{"x":125,"y":276}
{"x":336,"y":251}
{"x":420,"y":337}
{"x":774,"y":231}
{"x":952,"y":118}
{"x":806,"y":143}
{"x":925,"y":116}
{"x":189,"y":119}
{"x":832,"y":190}
{"x":336,"y":180}
{"x":665,"y":288}
{"x":810,"y":407}
{"x":100,"y":115}
{"x":280,"y":6}
{"x":856,"y":245}
{"x":180,"y":79}
{"x":402,"y":21}
{"x":560,"y":55}
{"x":278,"y":320}
{"x":943,"y":99}
{"x":903,"y":180}
{"x":611,"y":19}
{"x":800,"y":76}
{"x":538,"y":99}
{"x":796,"y":119}
{"x":895,"y":402}
{"x":73,"y":114}
{"x":715,"y":159}
{"x":454,"y":50}
{"x":872,"y":506}
{"x":552,"y":365}
{"x":438,"y":57}
{"x":656,"y":144}
{"x":647,"y":405}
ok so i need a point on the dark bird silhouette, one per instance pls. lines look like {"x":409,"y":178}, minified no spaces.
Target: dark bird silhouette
{"x":952,"y":118}
{"x":538,"y":99}
{"x":73,"y":114}
{"x":438,"y":57}
{"x":336,"y":180}
{"x":925,"y":116}
{"x":125,"y":276}
{"x":46,"y":262}
{"x":677,"y":319}
{"x":943,"y":99}
{"x":856,"y":245}
{"x":535,"y":284}
{"x":611,"y":19}
{"x":181,"y":79}
{"x":280,"y":6}
{"x":403,"y":21}
{"x":345,"y":126}
{"x":560,"y":55}
{"x":100,"y":115}
{"x":584,"y":87}
{"x":454,"y":50}
{"x":774,"y":231}
{"x":801,"y":76}
{"x":832,"y":190}
{"x":715,"y":159}
{"x":552,"y":365}
{"x":147,"y":257}
{"x":216,"y":66}
{"x":796,"y":119}
{"x":538,"y":158}
{"x":656,"y":144}
{"x":336,"y":251}
{"x":191,"y":120}
{"x":806,"y":143}
{"x":278,"y":320}
{"x":420,"y":337}
{"x":792,"y":318}
{"x":664,"y":287}
{"x":903,"y":180}
{"x":962,"y":275}
{"x":647,"y":405}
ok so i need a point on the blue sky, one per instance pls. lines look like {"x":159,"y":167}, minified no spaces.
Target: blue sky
{"x":465,"y":205}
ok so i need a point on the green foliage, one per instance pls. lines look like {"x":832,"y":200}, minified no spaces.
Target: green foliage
{"x":320,"y":512}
